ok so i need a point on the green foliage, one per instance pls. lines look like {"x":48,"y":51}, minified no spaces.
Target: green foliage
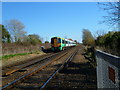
{"x":19,"y":54}
{"x":46,"y":41}
{"x":13,"y":55}
{"x":5,"y":35}
{"x":110,"y":40}
{"x":34,"y":39}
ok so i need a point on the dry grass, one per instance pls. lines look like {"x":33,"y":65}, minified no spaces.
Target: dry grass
{"x":14,"y":48}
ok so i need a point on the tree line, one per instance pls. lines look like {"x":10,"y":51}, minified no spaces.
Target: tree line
{"x":109,"y":42}
{"x":13,"y":32}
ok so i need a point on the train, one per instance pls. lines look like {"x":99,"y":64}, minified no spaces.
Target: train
{"x":59,"y":44}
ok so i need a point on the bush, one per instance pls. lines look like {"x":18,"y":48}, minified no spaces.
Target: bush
{"x":111,"y":41}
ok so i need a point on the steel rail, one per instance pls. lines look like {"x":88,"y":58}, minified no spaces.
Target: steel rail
{"x":63,"y":65}
{"x":29,"y":59}
{"x":23,"y":66}
{"x":26,"y":65}
{"x":11,"y":84}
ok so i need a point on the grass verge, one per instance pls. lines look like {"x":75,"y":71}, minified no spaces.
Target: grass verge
{"x":19,"y":54}
{"x":13,"y":55}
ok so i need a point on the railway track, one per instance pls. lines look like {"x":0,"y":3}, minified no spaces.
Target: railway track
{"x":79,"y":74}
{"x":30,"y":69}
{"x":16,"y":67}
{"x":30,"y":59}
{"x":64,"y":65}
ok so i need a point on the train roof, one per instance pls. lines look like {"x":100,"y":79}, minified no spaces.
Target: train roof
{"x":70,"y":40}
{"x":57,"y":37}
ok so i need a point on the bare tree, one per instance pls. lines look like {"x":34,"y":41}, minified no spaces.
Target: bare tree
{"x":16,"y":29}
{"x":113,"y":10}
{"x":99,"y":33}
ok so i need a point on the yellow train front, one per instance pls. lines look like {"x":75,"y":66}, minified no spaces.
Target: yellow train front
{"x":59,"y":44}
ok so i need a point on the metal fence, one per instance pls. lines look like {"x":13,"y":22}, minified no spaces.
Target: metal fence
{"x":108,"y":70}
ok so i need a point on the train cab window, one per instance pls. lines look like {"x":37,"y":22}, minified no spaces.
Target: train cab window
{"x":52,"y":41}
{"x":63,"y":41}
{"x":59,"y":40}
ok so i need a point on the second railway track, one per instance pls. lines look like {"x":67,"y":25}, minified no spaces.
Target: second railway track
{"x":30,"y":71}
{"x":9,"y":69}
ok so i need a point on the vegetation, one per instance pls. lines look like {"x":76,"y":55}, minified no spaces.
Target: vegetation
{"x":88,"y":38}
{"x":32,"y":39}
{"x":14,"y":32}
{"x":46,"y":41}
{"x":19,"y":54}
{"x":13,"y":55}
{"x":5,"y":35}
{"x":16,"y":29}
{"x":89,"y":42}
{"x":113,"y":10}
{"x":110,"y":41}
{"x":15,"y":38}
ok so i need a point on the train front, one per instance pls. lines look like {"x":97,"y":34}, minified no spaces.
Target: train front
{"x":56,"y":44}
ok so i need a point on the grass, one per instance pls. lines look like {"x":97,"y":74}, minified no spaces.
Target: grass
{"x":19,"y":54}
{"x":13,"y":55}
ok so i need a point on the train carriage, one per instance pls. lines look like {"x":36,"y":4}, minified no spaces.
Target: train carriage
{"x":59,"y":44}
